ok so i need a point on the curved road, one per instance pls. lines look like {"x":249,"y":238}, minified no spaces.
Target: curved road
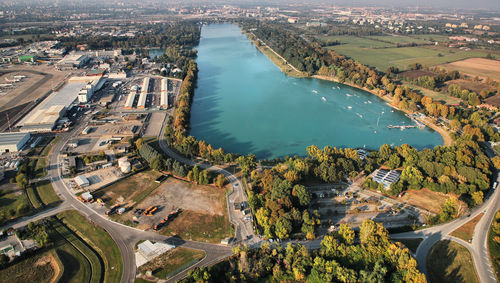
{"x":478,"y":247}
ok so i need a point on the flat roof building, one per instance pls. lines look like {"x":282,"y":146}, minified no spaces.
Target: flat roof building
{"x":82,"y":181}
{"x":145,"y":85}
{"x":386,"y":177}
{"x":12,"y":142}
{"x":72,"y":61}
{"x":130,"y":100}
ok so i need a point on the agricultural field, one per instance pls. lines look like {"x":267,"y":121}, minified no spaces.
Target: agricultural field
{"x":481,"y":67}
{"x":398,"y":39}
{"x":355,"y":41}
{"x":381,"y":52}
{"x":168,"y":263}
{"x":448,"y":261}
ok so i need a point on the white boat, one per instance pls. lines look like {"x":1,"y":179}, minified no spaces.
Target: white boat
{"x":360,"y":116}
{"x":369,"y":102}
{"x":350,"y":107}
{"x":323,"y":98}
{"x":348,"y":94}
{"x":315,"y":91}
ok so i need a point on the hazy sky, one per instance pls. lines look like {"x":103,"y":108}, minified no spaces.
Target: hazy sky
{"x":451,"y":4}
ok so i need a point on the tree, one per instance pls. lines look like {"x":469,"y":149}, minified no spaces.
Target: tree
{"x":413,"y":176}
{"x":22,"y":180}
{"x":477,"y":197}
{"x":346,"y":234}
{"x":496,"y":162}
{"x":302,"y":194}
{"x":283,"y":228}
{"x":220,"y":181}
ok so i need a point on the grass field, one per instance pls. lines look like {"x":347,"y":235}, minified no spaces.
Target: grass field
{"x":494,"y":248}
{"x":99,"y":240}
{"x":401,"y":39}
{"x":411,"y":244}
{"x":10,"y":204}
{"x":88,"y":258}
{"x":466,"y":231}
{"x":436,"y":96}
{"x":39,"y":266}
{"x":382,"y":55}
{"x":132,"y":189}
{"x":364,"y":42}
{"x":47,"y":194}
{"x":168,"y":263}
{"x":46,"y":150}
{"x":448,"y":261}
{"x":426,"y":199}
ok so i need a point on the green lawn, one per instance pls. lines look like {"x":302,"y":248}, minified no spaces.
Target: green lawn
{"x":436,"y":96}
{"x":40,"y":166}
{"x":32,"y":194}
{"x":99,"y":240}
{"x":448,"y":261}
{"x":168,"y":263}
{"x":11,"y":203}
{"x":494,"y":249}
{"x":47,"y":194}
{"x":92,"y":267}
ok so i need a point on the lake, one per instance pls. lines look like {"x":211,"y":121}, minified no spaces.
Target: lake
{"x":245,"y":104}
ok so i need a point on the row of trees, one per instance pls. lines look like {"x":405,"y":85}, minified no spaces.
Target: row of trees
{"x":343,"y":257}
{"x":184,"y":33}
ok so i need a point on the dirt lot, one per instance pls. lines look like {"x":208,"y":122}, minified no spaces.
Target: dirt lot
{"x":154,"y":124}
{"x":477,"y":67}
{"x":203,"y":215}
{"x":130,"y":189}
{"x":426,"y":199}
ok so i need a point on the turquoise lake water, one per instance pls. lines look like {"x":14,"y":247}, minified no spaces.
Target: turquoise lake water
{"x":245,"y":104}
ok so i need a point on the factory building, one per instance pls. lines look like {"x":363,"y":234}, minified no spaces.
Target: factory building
{"x":130,"y":100}
{"x":72,"y":61}
{"x":44,"y":117}
{"x":164,"y":93}
{"x":12,"y":142}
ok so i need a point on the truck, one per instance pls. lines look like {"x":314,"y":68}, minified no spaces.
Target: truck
{"x":152,"y":211}
{"x":112,"y":209}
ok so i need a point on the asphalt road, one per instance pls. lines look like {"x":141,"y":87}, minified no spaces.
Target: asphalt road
{"x":478,"y":248}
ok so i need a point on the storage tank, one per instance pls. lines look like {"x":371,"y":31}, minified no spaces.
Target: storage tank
{"x":125,"y":167}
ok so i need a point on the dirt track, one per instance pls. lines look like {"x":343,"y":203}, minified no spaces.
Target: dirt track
{"x":477,"y":67}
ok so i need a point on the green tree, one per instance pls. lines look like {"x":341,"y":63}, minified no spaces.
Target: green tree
{"x":302,"y":194}
{"x":283,"y":228}
{"x":22,"y":180}
{"x":220,"y":181}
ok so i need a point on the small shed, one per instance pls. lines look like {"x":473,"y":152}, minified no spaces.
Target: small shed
{"x":87,"y":196}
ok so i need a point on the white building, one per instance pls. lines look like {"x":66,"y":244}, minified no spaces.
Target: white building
{"x":82,"y":181}
{"x":12,"y":142}
{"x":72,"y":61}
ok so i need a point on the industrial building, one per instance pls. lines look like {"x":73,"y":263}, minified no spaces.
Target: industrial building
{"x":164,"y":93}
{"x":386,"y":177}
{"x":72,"y":61}
{"x":43,"y":118}
{"x":142,"y":100}
{"x":82,"y":181}
{"x":12,"y":142}
{"x":130,"y":100}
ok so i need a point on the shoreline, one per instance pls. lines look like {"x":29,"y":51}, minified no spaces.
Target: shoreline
{"x":447,"y":140}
